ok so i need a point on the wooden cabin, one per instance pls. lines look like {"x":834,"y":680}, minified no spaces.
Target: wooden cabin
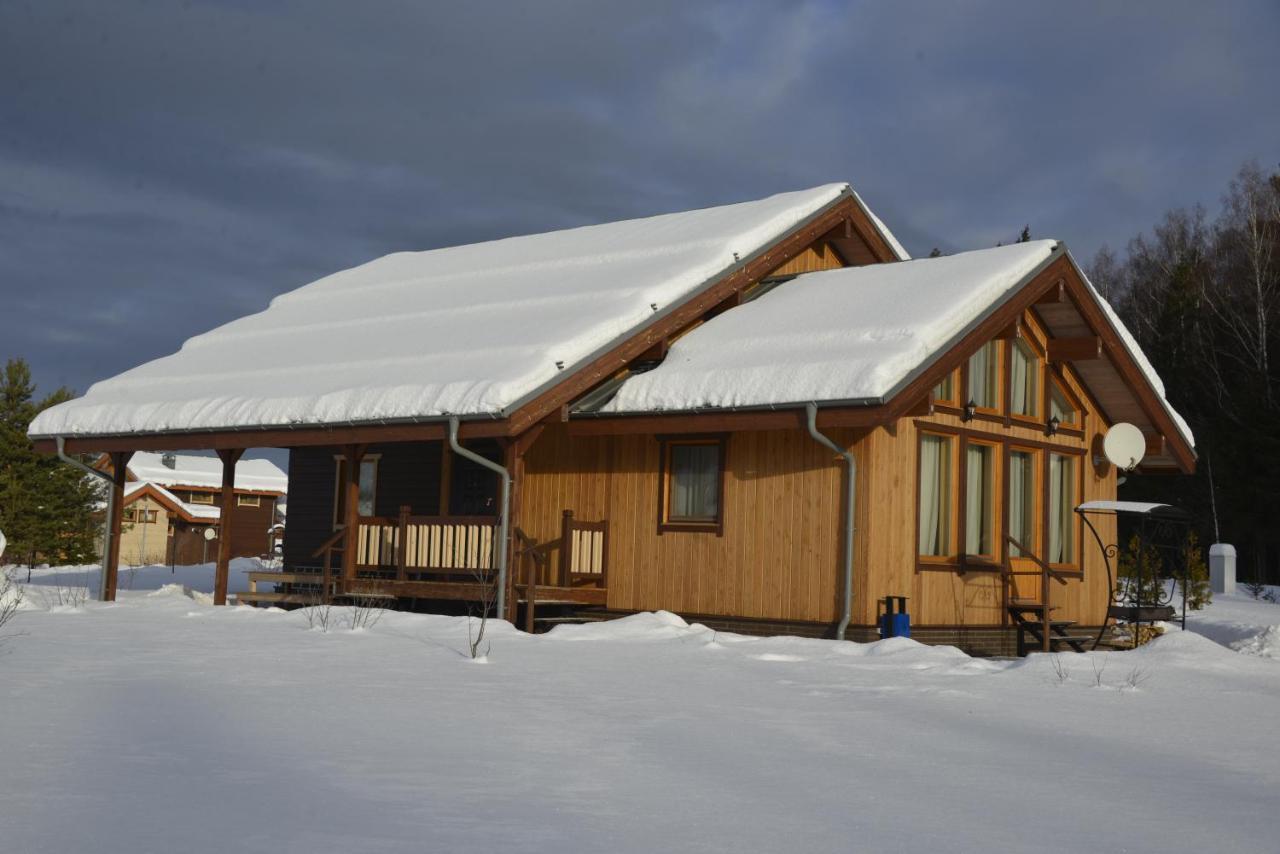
{"x":692,"y":412}
{"x":172,"y":500}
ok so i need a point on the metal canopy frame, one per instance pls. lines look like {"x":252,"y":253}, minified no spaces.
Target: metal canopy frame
{"x":1160,"y":526}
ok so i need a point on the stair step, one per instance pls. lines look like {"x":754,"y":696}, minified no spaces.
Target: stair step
{"x":1071,"y":638}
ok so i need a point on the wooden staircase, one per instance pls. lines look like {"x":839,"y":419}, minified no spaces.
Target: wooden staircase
{"x":1033,"y":620}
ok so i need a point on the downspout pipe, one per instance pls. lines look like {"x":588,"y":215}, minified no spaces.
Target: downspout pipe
{"x":60,"y":441}
{"x":504,"y":522}
{"x":851,"y":482}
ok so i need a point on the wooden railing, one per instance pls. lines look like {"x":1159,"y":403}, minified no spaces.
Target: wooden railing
{"x":421,"y":545}
{"x":1045,"y":572}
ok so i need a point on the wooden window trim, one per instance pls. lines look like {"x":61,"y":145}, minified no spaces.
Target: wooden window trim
{"x":1059,"y":381}
{"x":997,"y":557}
{"x":248,"y":500}
{"x":959,"y":563}
{"x":202,"y":498}
{"x":996,"y":413}
{"x":948,"y":560}
{"x":953,"y":402}
{"x":1077,"y":530}
{"x":1037,"y":511}
{"x":1040,"y":416}
{"x":665,"y":444}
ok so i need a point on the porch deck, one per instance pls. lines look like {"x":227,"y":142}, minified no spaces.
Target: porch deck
{"x":445,"y":558}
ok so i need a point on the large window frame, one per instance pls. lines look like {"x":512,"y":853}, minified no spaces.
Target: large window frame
{"x":1065,"y":512}
{"x":668,"y":521}
{"x":1034,"y":514}
{"x":957,"y":560}
{"x":996,"y":354}
{"x":991,"y":493}
{"x":1034,"y":396}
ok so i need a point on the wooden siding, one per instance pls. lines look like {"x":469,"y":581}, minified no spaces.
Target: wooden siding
{"x":819,"y":256}
{"x":779,"y":556}
{"x":145,"y":542}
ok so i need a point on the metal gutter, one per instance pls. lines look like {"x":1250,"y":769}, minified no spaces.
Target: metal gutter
{"x":504,"y":523}
{"x":851,"y":478}
{"x":111,"y":500}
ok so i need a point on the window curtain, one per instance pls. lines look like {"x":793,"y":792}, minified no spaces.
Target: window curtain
{"x":1059,"y":407}
{"x":695,"y":476}
{"x":1021,"y":501}
{"x":977,"y":514}
{"x":982,"y":369}
{"x":935,"y":468}
{"x":1022,"y":371}
{"x":1061,"y":505}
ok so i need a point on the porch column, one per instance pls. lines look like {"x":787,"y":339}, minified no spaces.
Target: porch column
{"x":111,"y":560}
{"x":351,"y":511}
{"x":446,"y":476}
{"x":513,"y":460}
{"x":229,"y":459}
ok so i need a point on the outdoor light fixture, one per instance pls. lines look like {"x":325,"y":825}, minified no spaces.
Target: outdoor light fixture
{"x":1052,"y":427}
{"x":969,"y":409}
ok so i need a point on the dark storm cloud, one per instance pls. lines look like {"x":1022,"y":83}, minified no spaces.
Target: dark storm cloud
{"x":165,"y":167}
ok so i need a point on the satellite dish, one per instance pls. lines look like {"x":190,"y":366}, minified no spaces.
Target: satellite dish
{"x":1124,"y":445}
{"x":209,"y":534}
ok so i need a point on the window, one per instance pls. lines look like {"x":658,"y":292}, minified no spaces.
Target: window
{"x":151,"y":516}
{"x":984,"y":376}
{"x":1062,"y":503}
{"x":248,"y":500}
{"x":130,"y":514}
{"x":1024,"y":380}
{"x":946,"y":391}
{"x":202,"y":498}
{"x":979,"y":500}
{"x":1061,"y":407}
{"x":1022,"y":501}
{"x":368,"y":489}
{"x":693,"y":484}
{"x":935,"y":495}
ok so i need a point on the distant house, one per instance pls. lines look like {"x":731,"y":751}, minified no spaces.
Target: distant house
{"x":763,"y":416}
{"x":171,"y":510}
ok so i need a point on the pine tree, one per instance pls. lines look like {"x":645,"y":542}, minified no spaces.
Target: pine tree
{"x":1139,"y":580}
{"x":1196,"y":581}
{"x":1025,"y":236}
{"x":46,"y":507}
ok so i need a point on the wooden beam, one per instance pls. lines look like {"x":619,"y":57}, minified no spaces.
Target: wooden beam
{"x":353,"y":454}
{"x":1083,"y":349}
{"x":724,"y":422}
{"x":446,"y":476}
{"x":1057,"y":293}
{"x":513,"y":459}
{"x":229,"y":459}
{"x":1011,"y":332}
{"x":276,"y":438}
{"x":111,"y":560}
{"x":1155,"y":444}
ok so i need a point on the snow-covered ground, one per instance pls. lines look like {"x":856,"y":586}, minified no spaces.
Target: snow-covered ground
{"x":1242,"y":623}
{"x":160,"y":724}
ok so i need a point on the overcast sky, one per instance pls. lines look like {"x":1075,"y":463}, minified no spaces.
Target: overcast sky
{"x":169,"y":166}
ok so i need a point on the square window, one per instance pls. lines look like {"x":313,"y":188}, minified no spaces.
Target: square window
{"x":693,"y":483}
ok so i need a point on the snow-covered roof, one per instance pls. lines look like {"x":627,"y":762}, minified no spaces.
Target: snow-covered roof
{"x":206,"y":472}
{"x":1143,"y":507}
{"x":468,"y":330}
{"x":853,"y":334}
{"x":207,"y":512}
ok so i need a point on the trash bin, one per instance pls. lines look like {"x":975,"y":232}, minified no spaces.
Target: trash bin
{"x":895,"y":622}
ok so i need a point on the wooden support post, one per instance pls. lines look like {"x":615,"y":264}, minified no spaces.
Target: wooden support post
{"x":446,"y":476}
{"x":229,"y":459}
{"x":351,"y":515}
{"x":111,"y":560}
{"x":402,"y":541}
{"x":566,"y":549}
{"x":514,"y":461}
{"x":531,"y":595}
